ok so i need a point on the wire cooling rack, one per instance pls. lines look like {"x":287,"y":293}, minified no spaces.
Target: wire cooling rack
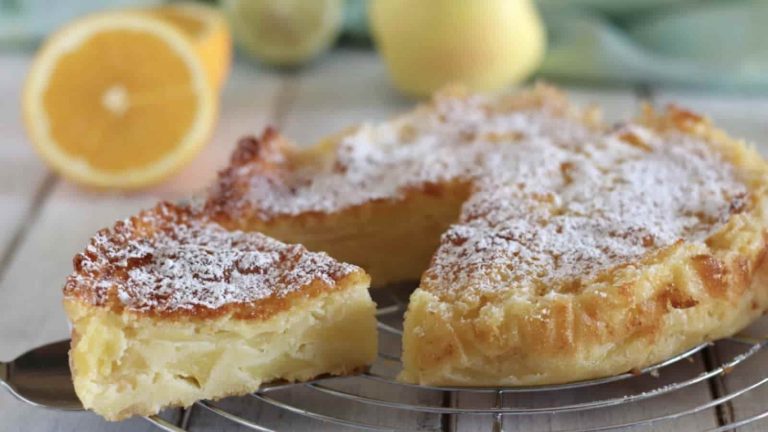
{"x":693,"y":380}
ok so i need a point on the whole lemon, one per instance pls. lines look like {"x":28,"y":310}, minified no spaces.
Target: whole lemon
{"x":482,"y":44}
{"x":285,"y":32}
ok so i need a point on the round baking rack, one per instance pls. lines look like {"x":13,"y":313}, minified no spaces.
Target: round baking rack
{"x":694,"y":380}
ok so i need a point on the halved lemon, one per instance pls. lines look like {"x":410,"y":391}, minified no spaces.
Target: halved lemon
{"x":122,"y":99}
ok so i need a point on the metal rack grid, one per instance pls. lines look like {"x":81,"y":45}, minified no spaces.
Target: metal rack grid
{"x":503,"y":403}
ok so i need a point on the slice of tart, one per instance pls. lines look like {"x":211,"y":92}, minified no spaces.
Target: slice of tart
{"x":168,"y":307}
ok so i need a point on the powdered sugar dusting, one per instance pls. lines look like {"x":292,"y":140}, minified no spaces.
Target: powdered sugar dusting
{"x":562,"y":216}
{"x":383,"y":160}
{"x":554,"y":200}
{"x":166,"y":260}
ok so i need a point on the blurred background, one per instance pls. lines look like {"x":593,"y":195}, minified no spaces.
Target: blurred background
{"x":108,"y":106}
{"x":104,"y":105}
{"x":685,"y":42}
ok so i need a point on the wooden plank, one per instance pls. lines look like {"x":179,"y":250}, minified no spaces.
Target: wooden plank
{"x":344,"y":89}
{"x":16,"y":416}
{"x":753,"y":402}
{"x":30,"y":291}
{"x":742,"y":116}
{"x":21,"y":172}
{"x":621,"y":414}
{"x":351,"y":87}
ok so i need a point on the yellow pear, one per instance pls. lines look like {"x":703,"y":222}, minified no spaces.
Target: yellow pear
{"x":482,"y":44}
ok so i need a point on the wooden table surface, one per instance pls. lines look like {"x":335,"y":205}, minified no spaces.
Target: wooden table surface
{"x":45,"y":220}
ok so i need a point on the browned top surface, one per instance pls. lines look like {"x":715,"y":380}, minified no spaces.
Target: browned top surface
{"x":169,"y":261}
{"x":557,"y":197}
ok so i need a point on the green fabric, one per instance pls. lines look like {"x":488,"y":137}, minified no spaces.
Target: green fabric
{"x":676,"y":42}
